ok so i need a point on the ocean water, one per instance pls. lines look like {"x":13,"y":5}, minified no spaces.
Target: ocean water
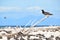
{"x":23,"y":26}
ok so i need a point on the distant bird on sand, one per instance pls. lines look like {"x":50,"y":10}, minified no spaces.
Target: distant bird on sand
{"x":46,"y":13}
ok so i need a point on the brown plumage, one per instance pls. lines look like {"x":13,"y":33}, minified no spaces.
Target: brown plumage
{"x":46,"y":13}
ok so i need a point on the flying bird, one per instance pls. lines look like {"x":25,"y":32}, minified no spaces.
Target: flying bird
{"x":4,"y":17}
{"x":46,"y":13}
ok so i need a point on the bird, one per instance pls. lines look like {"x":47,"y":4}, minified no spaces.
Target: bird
{"x":46,"y":13}
{"x":4,"y":17}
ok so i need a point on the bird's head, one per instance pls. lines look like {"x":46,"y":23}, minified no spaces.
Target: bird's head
{"x":42,"y":11}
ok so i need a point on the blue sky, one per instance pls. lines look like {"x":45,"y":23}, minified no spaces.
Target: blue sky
{"x":20,"y":12}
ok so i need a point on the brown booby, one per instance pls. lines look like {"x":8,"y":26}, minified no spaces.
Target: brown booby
{"x":46,"y":13}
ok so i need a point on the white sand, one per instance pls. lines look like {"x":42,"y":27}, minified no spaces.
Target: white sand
{"x":32,"y":31}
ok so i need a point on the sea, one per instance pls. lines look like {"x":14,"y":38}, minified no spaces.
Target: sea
{"x":23,"y":26}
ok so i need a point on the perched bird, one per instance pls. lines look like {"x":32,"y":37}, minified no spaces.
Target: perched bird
{"x":46,"y":13}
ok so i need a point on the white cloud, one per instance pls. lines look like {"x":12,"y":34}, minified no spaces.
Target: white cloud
{"x":3,"y":9}
{"x":34,"y":8}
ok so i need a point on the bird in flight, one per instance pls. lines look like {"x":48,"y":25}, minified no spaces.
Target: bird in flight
{"x":46,"y":13}
{"x":4,"y":17}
